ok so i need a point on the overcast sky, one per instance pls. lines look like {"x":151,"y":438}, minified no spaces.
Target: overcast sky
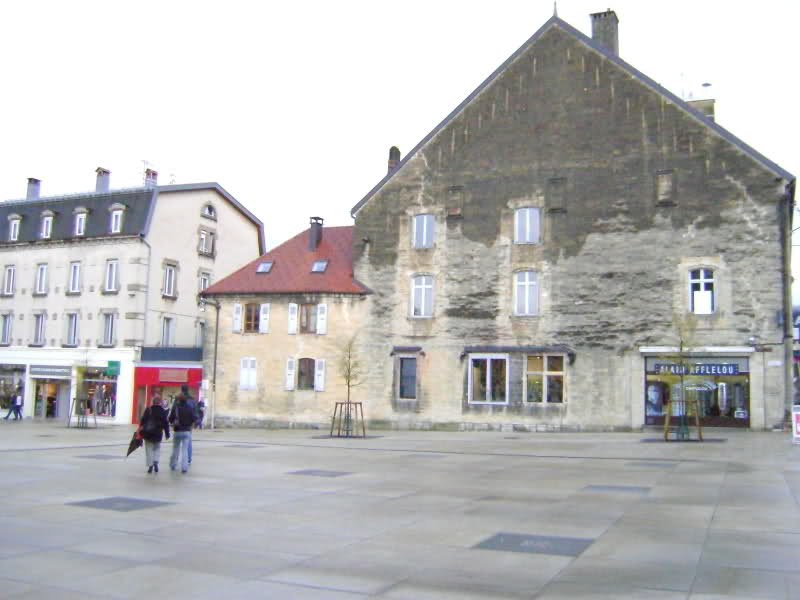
{"x":292,"y":106}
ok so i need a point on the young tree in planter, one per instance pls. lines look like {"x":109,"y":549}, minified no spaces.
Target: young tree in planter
{"x":685,"y":328}
{"x":353,"y":372}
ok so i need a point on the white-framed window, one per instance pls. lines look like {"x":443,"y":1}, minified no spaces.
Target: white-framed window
{"x":8,"y":280}
{"x":47,"y":227}
{"x":305,"y":374}
{"x":407,"y":377}
{"x":247,"y":373}
{"x":39,"y":323}
{"x":80,"y":223}
{"x":112,"y":275}
{"x":6,"y":328}
{"x":422,"y":296}
{"x":115,"y":226}
{"x":40,"y":286}
{"x":308,"y":318}
{"x":167,"y":331}
{"x":544,"y":379}
{"x":170,"y":273}
{"x":205,"y":243}
{"x":423,"y":231}
{"x":701,"y":291}
{"x":526,"y":293}
{"x":74,"y":277}
{"x":72,"y":329}
{"x":488,"y":379}
{"x":204,"y":280}
{"x":109,"y":329}
{"x":13,"y":230}
{"x":526,"y":225}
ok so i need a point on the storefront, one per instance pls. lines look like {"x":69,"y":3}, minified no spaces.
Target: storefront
{"x":97,"y":391}
{"x":51,"y":390}
{"x":11,"y":377}
{"x":165,"y":380}
{"x":718,"y":385}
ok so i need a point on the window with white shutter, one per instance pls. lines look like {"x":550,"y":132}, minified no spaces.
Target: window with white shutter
{"x":322,"y":319}
{"x":263,"y":320}
{"x":290,"y":369}
{"x":292,"y":318}
{"x":247,"y":373}
{"x":237,"y":318}
{"x":319,"y":375}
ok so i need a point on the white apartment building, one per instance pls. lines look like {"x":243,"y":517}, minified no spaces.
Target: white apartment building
{"x":98,"y":303}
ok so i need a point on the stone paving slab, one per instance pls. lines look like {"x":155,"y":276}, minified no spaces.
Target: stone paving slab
{"x":662,"y":520}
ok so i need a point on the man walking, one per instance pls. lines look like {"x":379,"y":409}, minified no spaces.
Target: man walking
{"x":182,"y":416}
{"x":16,"y":405}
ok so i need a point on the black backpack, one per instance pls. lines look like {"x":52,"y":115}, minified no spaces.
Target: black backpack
{"x":151,"y":427}
{"x":184,"y":416}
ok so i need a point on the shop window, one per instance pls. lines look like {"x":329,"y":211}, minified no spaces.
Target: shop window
{"x":99,"y":393}
{"x":526,"y":225}
{"x":6,"y":329}
{"x":423,"y":231}
{"x":8,"y":280}
{"x":488,"y":379}
{"x":701,"y":291}
{"x":408,"y":378}
{"x":526,"y":293}
{"x":72,"y":329}
{"x":544,"y":379}
{"x":247,"y":373}
{"x":111,"y":283}
{"x":74,"y":286}
{"x":40,"y":285}
{"x":422,"y":296}
{"x":13,"y":229}
{"x":39,"y":324}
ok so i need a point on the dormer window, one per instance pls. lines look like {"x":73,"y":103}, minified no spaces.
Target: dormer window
{"x":117,"y":211}
{"x":209,"y":211}
{"x":80,"y":221}
{"x":13,"y":227}
{"x":319,"y":266}
{"x":264,"y":267}
{"x":47,"y":225}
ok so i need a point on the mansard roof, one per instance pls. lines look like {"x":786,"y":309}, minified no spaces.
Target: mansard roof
{"x":555,"y":21}
{"x":137,"y":204}
{"x":290,"y":272}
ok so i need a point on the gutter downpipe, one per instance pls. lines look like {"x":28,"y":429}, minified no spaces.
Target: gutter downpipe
{"x":147,"y":291}
{"x":787,"y":211}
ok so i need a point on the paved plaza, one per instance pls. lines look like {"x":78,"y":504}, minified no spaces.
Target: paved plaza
{"x":399,"y":515}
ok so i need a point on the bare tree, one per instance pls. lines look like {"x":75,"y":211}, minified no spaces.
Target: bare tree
{"x":350,"y":366}
{"x":686,"y":332}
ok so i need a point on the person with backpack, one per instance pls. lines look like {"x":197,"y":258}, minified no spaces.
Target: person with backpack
{"x":182,"y":417}
{"x":152,"y":426}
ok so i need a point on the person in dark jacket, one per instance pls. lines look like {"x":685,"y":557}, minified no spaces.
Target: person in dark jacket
{"x":152,"y":426}
{"x":182,"y":417}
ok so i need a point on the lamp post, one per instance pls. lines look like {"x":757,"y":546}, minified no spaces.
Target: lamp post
{"x":201,"y":302}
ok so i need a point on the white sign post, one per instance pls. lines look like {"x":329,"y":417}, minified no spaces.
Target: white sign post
{"x":796,"y":424}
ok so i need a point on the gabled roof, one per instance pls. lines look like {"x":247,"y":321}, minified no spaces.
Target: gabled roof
{"x":190,"y":187}
{"x":291,"y":268}
{"x":138,"y":203}
{"x":555,"y":21}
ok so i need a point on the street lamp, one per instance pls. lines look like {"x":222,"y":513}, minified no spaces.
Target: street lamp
{"x":201,"y":302}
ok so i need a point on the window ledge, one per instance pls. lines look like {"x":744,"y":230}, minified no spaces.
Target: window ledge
{"x":4,"y":344}
{"x":109,"y":292}
{"x":536,"y":316}
{"x":35,"y":345}
{"x":69,"y":345}
{"x":72,"y":293}
{"x":169,"y":296}
{"x":39,"y":294}
{"x":207,"y":254}
{"x":4,"y":295}
{"x":107,"y":345}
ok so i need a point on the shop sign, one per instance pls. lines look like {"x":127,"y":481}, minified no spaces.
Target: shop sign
{"x":696,"y":369}
{"x":112,"y":368}
{"x":50,"y":371}
{"x":796,"y":424}
{"x":174,"y":375}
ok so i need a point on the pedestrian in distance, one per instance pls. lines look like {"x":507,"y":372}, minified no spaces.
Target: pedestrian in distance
{"x":153,"y":427}
{"x":182,"y":417}
{"x":201,"y":413}
{"x":16,"y":405}
{"x":195,"y":411}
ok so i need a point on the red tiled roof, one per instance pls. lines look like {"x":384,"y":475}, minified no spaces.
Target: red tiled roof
{"x":291,"y":268}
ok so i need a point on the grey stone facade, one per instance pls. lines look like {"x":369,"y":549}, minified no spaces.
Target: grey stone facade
{"x":635,"y":190}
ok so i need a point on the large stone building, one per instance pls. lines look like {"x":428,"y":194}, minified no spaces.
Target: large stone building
{"x":538,"y":257}
{"x":99,"y":292}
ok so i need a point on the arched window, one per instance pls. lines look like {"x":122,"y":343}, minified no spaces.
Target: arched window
{"x":209,"y":211}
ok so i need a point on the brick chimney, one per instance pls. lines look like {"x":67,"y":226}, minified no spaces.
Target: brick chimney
{"x":394,"y":158}
{"x":605,"y":30}
{"x":103,"y":180}
{"x":150,"y":178}
{"x":315,"y":233}
{"x":33,"y":188}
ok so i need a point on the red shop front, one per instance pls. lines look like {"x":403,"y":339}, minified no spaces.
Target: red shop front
{"x":167,"y":381}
